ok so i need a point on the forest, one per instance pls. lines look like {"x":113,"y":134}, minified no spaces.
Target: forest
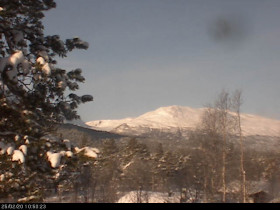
{"x":188,"y":170}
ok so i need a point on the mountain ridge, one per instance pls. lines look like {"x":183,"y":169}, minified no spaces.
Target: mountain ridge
{"x":182,"y":118}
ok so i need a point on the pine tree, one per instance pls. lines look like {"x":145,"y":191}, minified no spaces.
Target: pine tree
{"x":35,"y":96}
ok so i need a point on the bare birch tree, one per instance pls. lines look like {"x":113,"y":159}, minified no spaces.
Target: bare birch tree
{"x":237,"y":102}
{"x":223,"y":106}
{"x":218,"y":122}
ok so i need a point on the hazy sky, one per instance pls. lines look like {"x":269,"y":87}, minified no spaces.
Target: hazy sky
{"x":145,"y":54}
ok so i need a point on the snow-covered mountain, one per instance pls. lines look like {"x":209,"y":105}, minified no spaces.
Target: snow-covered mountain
{"x":180,"y":120}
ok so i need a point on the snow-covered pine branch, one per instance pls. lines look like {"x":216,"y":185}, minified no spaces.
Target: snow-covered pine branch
{"x":35,"y":96}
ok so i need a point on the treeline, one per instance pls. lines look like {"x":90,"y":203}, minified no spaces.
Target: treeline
{"x":194,"y":171}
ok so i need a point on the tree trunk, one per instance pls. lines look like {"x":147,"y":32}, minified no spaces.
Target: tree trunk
{"x":238,"y":102}
{"x":224,"y":157}
{"x":224,"y":173}
{"x":242,"y":170}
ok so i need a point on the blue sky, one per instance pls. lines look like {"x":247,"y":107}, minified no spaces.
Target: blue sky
{"x":145,"y":54}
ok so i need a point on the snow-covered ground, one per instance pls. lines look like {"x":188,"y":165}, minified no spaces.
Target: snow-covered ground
{"x":130,"y":197}
{"x":149,"y":197}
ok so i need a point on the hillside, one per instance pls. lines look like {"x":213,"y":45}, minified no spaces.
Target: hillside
{"x":82,"y":136}
{"x":176,"y":119}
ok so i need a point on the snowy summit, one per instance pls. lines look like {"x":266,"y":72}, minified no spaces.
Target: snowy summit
{"x":174,"y":118}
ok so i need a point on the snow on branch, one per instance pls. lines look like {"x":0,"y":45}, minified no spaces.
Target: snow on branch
{"x":10,"y":65}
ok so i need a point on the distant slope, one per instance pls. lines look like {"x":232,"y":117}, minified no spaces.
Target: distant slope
{"x":85,"y":136}
{"x":174,"y":119}
{"x":77,"y":122}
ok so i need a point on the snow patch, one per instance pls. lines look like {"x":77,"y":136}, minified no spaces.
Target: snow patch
{"x":69,"y":154}
{"x":27,"y":199}
{"x":18,"y":156}
{"x":41,"y":61}
{"x":55,"y":158}
{"x":6,"y":148}
{"x":46,"y":68}
{"x":2,"y":177}
{"x":13,"y":61}
{"x":23,"y":148}
{"x":107,"y":125}
{"x":10,"y":150}
{"x":88,"y":151}
{"x":17,"y":137}
{"x":149,"y":197}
